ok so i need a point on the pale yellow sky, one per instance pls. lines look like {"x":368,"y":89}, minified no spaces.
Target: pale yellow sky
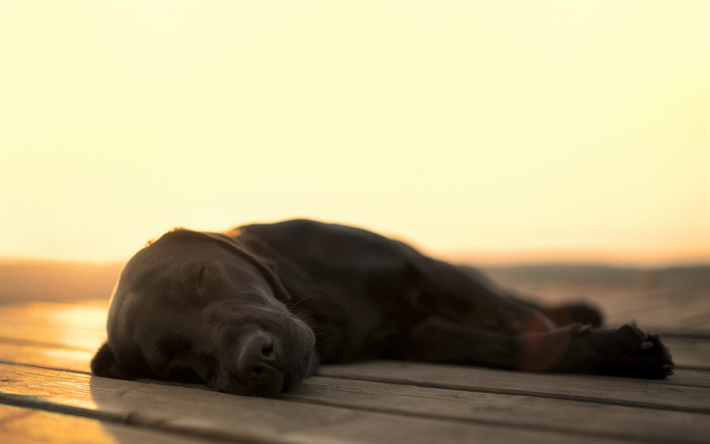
{"x":500,"y":131}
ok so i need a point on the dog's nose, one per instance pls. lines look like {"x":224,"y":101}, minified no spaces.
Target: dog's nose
{"x":257,"y":355}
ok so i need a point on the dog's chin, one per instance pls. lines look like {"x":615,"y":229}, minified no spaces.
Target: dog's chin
{"x":267,"y":385}
{"x":302,"y":370}
{"x":271,"y":382}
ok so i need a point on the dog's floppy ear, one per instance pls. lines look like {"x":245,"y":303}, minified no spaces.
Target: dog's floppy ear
{"x":104,"y":364}
{"x":260,"y":263}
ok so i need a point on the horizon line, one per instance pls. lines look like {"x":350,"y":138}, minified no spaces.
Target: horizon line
{"x":478,"y":259}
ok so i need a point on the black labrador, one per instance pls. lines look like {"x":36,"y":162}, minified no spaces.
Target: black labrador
{"x":255,"y":310}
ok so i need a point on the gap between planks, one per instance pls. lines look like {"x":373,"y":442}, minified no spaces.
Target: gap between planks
{"x":78,"y":361}
{"x":223,"y":415}
{"x":454,"y":387}
{"x":611,"y":422}
{"x":20,"y":425}
{"x":35,"y":403}
{"x":429,"y":375}
{"x":589,"y":388}
{"x":694,"y":350}
{"x":530,"y":393}
{"x":688,"y":353}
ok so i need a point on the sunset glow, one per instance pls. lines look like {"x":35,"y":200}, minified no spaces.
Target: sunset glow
{"x":489,"y":131}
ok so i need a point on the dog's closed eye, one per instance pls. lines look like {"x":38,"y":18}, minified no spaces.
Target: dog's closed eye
{"x":202,"y":275}
{"x":211,"y":281}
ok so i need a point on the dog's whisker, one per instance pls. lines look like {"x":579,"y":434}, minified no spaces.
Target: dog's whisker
{"x":305,"y":298}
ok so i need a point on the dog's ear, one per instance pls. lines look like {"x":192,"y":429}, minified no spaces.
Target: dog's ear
{"x":104,"y":364}
{"x":266,"y":267}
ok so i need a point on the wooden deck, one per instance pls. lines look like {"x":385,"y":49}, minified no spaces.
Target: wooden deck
{"x":48,"y":394}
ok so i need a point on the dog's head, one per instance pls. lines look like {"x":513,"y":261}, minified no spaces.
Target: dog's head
{"x":195,"y":306}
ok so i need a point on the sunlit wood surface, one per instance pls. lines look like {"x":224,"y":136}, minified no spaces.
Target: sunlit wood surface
{"x":48,"y":394}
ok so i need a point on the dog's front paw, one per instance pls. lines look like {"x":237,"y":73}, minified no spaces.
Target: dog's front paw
{"x":630,"y":351}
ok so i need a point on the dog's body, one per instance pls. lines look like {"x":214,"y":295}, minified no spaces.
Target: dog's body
{"x":255,"y":310}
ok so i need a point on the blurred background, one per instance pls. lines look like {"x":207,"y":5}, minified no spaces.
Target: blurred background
{"x":559,"y":139}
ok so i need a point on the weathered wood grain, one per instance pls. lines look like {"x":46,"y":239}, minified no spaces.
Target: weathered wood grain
{"x":619,"y":391}
{"x":23,"y":426}
{"x":206,"y":413}
{"x":673,"y":299}
{"x":56,"y":358}
{"x":530,"y":411}
{"x":689,"y":352}
{"x":82,"y":327}
{"x":671,"y":308}
{"x":520,"y":411}
{"x":53,"y":335}
{"x":366,"y":402}
{"x":689,"y":377}
{"x":78,"y":360}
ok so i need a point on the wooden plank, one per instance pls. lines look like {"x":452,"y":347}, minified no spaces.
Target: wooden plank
{"x":53,"y":335}
{"x":551,"y":414}
{"x":611,"y":390}
{"x":661,"y":310}
{"x":207,"y":413}
{"x":57,"y":358}
{"x":689,"y":377}
{"x":20,"y":425}
{"x":37,"y":323}
{"x":689,"y":352}
{"x":78,"y":360}
{"x":521,"y":411}
{"x":83,"y":326}
{"x":659,"y":300}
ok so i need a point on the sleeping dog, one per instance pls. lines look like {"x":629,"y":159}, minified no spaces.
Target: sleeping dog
{"x":255,"y":310}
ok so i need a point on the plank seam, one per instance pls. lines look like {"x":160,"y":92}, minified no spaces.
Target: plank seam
{"x":135,"y":420}
{"x":428,"y":385}
{"x":681,"y":334}
{"x":693,"y":367}
{"x":46,"y":368}
{"x":493,"y":423}
{"x":590,"y":399}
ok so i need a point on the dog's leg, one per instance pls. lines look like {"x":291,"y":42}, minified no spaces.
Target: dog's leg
{"x":564,"y":314}
{"x":561,"y":315}
{"x":626,"y":351}
{"x":441,"y":340}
